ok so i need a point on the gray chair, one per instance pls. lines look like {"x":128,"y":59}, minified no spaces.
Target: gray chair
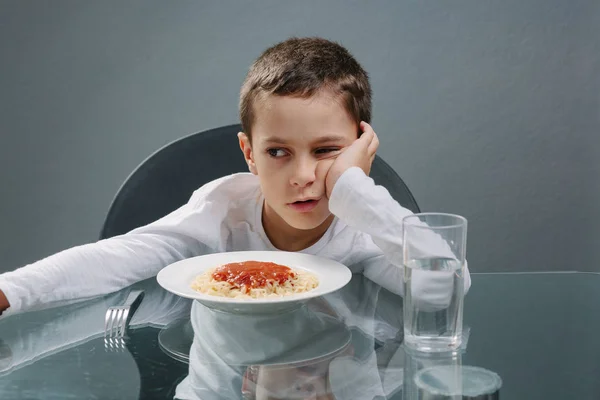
{"x":165,"y":180}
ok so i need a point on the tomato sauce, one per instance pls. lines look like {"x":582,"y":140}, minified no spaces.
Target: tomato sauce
{"x":252,"y":274}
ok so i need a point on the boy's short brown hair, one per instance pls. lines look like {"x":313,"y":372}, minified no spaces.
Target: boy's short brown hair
{"x":301,"y":67}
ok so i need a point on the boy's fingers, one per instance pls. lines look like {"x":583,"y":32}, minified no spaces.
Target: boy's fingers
{"x":366,"y":128}
{"x":370,"y":136}
{"x":364,"y":142}
{"x":367,"y":136}
{"x":374,"y":145}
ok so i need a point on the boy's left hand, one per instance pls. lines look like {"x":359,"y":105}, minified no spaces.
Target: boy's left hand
{"x":360,"y":154}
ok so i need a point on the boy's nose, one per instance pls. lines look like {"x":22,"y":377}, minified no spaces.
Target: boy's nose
{"x":304,"y":173}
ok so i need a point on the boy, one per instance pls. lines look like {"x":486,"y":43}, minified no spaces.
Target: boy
{"x":305,"y":108}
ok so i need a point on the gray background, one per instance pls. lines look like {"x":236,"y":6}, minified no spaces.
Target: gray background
{"x":489,"y":109}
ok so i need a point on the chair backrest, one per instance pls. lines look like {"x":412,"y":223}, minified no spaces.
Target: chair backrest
{"x":166,"y":180}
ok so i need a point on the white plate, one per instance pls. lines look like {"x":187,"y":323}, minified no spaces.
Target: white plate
{"x":177,"y":278}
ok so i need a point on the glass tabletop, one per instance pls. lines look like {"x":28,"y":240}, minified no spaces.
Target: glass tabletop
{"x":538,"y":332}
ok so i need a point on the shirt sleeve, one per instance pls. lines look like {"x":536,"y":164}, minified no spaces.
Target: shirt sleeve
{"x":109,"y":265}
{"x":369,"y":208}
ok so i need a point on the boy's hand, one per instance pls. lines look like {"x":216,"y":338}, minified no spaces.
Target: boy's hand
{"x":361,"y":154}
{"x":3,"y":302}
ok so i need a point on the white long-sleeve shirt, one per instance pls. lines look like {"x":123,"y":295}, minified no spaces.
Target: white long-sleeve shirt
{"x":223,"y":215}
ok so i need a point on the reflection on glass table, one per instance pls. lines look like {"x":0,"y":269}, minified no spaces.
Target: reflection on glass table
{"x":538,"y":332}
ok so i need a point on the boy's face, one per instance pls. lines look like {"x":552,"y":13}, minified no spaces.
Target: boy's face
{"x":306,"y":382}
{"x":294,"y":142}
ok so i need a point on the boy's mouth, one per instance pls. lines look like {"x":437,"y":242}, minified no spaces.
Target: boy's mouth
{"x":304,"y":206}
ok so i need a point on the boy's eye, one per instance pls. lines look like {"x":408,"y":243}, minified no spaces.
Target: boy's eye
{"x":326,"y":150}
{"x":276,"y":153}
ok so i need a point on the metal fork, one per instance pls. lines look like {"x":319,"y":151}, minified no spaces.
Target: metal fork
{"x":115,"y":321}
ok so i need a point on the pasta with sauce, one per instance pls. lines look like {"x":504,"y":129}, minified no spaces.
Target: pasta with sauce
{"x":254,"y":279}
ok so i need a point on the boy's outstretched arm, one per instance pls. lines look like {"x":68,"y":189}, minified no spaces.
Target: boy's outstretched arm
{"x":356,"y":200}
{"x":109,"y":265}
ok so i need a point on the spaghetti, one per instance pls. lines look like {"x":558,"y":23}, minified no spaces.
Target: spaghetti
{"x":254,"y":279}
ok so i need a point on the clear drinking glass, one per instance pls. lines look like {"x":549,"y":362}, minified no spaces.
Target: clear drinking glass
{"x":434,"y":263}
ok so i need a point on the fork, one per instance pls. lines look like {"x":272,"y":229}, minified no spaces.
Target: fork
{"x":115,"y":321}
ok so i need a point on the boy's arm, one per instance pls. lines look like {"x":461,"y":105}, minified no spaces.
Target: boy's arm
{"x":369,"y":208}
{"x":112,"y":264}
{"x":91,"y":270}
{"x":356,"y":200}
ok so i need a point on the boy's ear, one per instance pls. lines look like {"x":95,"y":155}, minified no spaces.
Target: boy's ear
{"x":246,"y":148}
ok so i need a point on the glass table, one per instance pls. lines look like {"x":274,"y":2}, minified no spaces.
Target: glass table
{"x":538,"y":331}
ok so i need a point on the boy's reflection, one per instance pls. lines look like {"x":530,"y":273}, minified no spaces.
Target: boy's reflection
{"x":324,"y":349}
{"x":283,"y":355}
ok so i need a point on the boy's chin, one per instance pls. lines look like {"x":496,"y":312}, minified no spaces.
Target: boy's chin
{"x":307,"y":223}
